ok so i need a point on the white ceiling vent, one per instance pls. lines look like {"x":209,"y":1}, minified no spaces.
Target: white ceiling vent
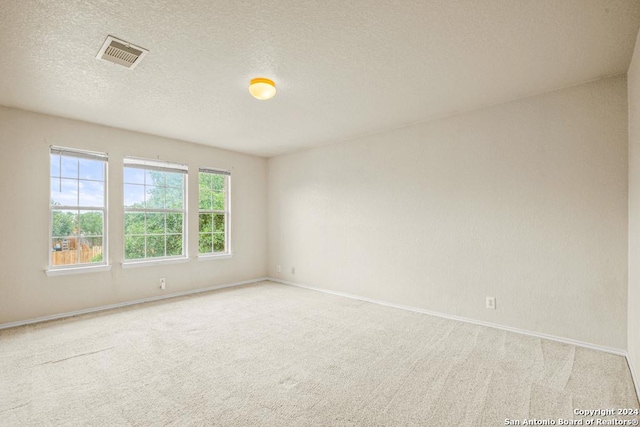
{"x":121,"y":52}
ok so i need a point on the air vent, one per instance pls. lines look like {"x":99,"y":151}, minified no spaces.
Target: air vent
{"x":121,"y":52}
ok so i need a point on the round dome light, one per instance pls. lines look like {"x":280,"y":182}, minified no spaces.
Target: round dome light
{"x":262,"y":89}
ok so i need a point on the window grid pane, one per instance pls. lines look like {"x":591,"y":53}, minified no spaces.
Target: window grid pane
{"x":154,"y":213}
{"x":213,"y":215}
{"x":78,"y":210}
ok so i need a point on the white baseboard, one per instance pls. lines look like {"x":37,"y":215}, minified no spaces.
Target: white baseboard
{"x":634,"y":376}
{"x":616,"y":351}
{"x":126,"y":303}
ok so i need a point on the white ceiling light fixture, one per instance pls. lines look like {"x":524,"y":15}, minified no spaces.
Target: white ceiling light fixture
{"x":262,"y":88}
{"x":121,"y":52}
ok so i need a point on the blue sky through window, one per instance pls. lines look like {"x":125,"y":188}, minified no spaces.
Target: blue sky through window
{"x":76,"y":181}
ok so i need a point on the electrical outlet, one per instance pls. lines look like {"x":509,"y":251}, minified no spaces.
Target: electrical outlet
{"x":163,"y":283}
{"x":491,"y":303}
{"x":278,"y":269}
{"x":293,"y":270}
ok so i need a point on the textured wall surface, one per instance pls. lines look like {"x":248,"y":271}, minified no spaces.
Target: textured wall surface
{"x":343,"y":68}
{"x":24,"y":194}
{"x":524,"y":201}
{"x":634,"y":211}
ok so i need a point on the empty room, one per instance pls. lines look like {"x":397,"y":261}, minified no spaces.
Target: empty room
{"x":338,"y":213}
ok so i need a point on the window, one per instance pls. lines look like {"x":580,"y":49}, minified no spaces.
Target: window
{"x":154,"y":209}
{"x":213,"y":224}
{"x":78,"y":207}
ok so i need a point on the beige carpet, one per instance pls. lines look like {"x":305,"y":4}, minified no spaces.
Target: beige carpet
{"x":274,"y":355}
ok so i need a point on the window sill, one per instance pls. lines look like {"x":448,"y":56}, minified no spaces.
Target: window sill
{"x":76,"y":270}
{"x":136,"y":264}
{"x":210,"y":257}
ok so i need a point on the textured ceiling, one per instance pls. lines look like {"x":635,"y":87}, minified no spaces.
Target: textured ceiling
{"x":343,"y":68}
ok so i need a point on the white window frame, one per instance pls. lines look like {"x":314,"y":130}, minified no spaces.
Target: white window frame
{"x":162,"y":166}
{"x":227,"y":214}
{"x":53,"y":270}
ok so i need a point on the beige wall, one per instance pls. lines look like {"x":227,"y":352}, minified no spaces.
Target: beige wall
{"x":634,"y":212}
{"x":24,"y":193}
{"x":525,"y":201}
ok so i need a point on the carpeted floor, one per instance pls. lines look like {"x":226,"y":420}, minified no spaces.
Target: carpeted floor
{"x":275,"y":355}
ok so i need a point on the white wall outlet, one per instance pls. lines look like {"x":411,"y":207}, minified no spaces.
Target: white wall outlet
{"x":278,"y":268}
{"x":491,"y":303}
{"x":163,"y":283}
{"x":293,"y":270}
